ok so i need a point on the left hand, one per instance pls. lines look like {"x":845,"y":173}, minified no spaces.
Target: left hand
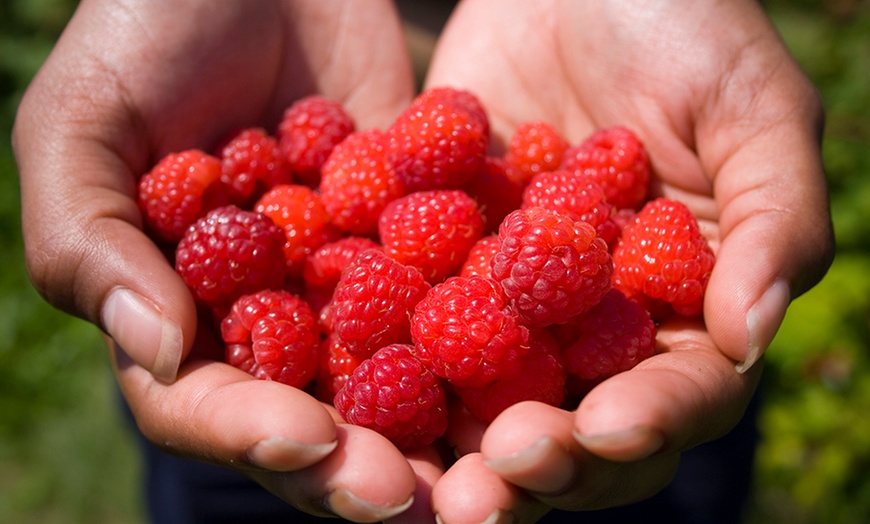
{"x":732,"y":127}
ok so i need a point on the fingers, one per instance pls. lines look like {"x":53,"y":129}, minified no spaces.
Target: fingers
{"x":279,"y":435}
{"x":623,"y":442}
{"x":775,"y":230}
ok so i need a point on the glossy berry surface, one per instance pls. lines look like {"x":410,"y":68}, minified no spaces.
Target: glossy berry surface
{"x":394,"y":394}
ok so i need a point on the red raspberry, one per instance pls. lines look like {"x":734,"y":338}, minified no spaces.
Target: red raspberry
{"x":466,"y":100}
{"x":479,"y":260}
{"x":173,"y":195}
{"x":663,"y":256}
{"x":438,"y":142}
{"x":541,"y":378}
{"x":229,"y":253}
{"x":610,"y":338}
{"x":496,"y":192}
{"x":273,"y":336}
{"x":324,"y":266}
{"x":336,"y":367}
{"x":432,"y":231}
{"x":356,"y":184}
{"x":580,"y":198}
{"x":298,"y":210}
{"x":550,"y":266}
{"x":394,"y":394}
{"x":309,"y":130}
{"x":373,"y":303}
{"x":251,"y":163}
{"x":615,"y":158}
{"x":464,"y":331}
{"x":535,"y":147}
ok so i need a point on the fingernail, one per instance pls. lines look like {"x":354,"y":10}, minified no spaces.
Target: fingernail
{"x":345,"y":504}
{"x":499,"y":516}
{"x":763,"y":321}
{"x":285,"y":454}
{"x":625,"y":445}
{"x":544,"y":451}
{"x":148,"y":338}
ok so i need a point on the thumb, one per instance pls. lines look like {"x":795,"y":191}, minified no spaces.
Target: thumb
{"x":776,"y":238}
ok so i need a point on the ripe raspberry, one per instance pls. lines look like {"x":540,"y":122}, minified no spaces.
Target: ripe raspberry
{"x":356,"y":184}
{"x":496,"y":192}
{"x":578,"y":197}
{"x":324,"y":266}
{"x":464,"y":331}
{"x":541,"y":378}
{"x":479,"y":260}
{"x":535,"y":147}
{"x":432,"y":231}
{"x":663,"y":256}
{"x":373,"y":303}
{"x":394,"y":394}
{"x":610,"y":338}
{"x":298,"y":210}
{"x":336,"y":367}
{"x":550,"y":266}
{"x":437,"y":143}
{"x":174,"y":193}
{"x":309,"y":130}
{"x":229,"y":253}
{"x":615,"y":158}
{"x":251,"y":163}
{"x":465,"y":100}
{"x":273,"y":336}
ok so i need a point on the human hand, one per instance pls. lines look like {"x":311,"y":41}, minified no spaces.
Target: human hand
{"x":129,"y":82}
{"x":732,"y":127}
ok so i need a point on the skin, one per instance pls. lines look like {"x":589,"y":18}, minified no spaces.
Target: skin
{"x":708,"y":86}
{"x":733,"y":129}
{"x":129,"y":82}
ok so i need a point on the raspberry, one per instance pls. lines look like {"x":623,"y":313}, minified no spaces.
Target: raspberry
{"x":173,"y":195}
{"x":356,"y":184}
{"x":373,"y":303}
{"x":324,"y":266}
{"x":663,"y":256}
{"x":479,"y":260}
{"x":251,"y":163}
{"x":542,"y":379}
{"x":394,"y":394}
{"x":336,"y":367}
{"x":309,"y":130}
{"x":432,"y":231}
{"x":464,"y":331}
{"x":612,"y":337}
{"x":578,"y":197}
{"x":439,"y":142}
{"x":615,"y":158}
{"x":535,"y":147}
{"x":550,"y":266}
{"x":298,"y":210}
{"x":273,"y":336}
{"x":229,"y":253}
{"x":465,"y":100}
{"x":496,"y":192}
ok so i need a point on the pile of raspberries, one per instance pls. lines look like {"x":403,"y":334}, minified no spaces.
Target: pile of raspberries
{"x":391,"y":272}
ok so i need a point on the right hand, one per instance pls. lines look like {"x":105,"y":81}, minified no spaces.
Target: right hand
{"x":129,"y":82}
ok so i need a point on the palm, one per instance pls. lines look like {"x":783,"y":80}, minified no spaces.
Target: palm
{"x":711,"y":91}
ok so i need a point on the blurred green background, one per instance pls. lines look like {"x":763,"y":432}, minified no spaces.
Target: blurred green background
{"x":66,"y":457}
